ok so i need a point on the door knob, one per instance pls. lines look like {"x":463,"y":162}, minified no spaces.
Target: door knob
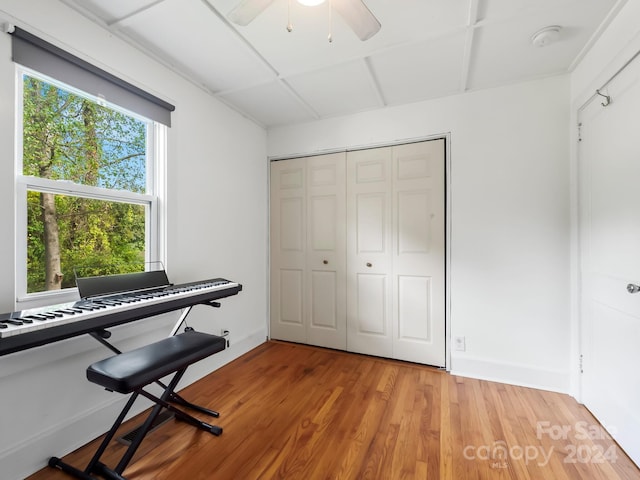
{"x":326,"y":262}
{"x":369,"y":265}
{"x":631,"y":288}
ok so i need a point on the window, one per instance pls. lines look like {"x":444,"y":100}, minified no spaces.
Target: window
{"x":87,"y":178}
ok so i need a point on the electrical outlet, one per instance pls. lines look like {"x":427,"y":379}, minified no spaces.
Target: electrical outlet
{"x":225,"y":334}
{"x":459,"y":343}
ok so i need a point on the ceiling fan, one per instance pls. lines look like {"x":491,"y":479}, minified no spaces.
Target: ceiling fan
{"x":364,"y":24}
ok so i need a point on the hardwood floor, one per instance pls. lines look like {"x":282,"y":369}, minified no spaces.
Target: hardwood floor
{"x":297,"y":412}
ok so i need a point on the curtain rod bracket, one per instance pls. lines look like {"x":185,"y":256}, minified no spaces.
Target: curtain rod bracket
{"x":7,"y":27}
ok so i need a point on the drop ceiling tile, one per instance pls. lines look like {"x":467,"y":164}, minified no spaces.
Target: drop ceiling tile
{"x":503,"y":52}
{"x":419,"y":53}
{"x":190,"y":36}
{"x":269,"y":104}
{"x":306,"y":47}
{"x":494,"y":10}
{"x":336,"y":90}
{"x":114,"y":10}
{"x":420,"y":71}
{"x":411,"y":20}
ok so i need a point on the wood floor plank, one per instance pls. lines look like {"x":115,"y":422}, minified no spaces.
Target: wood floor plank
{"x":298,"y":412}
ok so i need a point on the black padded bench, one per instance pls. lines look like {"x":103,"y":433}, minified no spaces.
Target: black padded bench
{"x":130,"y":372}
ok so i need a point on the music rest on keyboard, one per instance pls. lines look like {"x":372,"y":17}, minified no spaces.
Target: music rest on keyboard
{"x":31,"y":328}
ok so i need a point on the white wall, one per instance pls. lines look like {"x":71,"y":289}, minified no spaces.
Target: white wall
{"x":217,"y":226}
{"x":510,"y":218}
{"x":510,"y":151}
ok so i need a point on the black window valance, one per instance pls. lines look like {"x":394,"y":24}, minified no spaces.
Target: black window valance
{"x":33,"y":52}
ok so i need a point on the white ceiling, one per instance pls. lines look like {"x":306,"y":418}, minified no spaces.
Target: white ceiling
{"x":425,"y":49}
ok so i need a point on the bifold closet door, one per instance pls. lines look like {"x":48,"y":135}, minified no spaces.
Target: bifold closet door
{"x":288,"y":250}
{"x":396,"y":252}
{"x":369,"y":289}
{"x":308,"y":292}
{"x":326,"y":294}
{"x":358,"y":251}
{"x":418,"y":252}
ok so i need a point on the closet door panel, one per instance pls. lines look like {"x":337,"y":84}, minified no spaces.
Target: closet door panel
{"x":414,"y":222}
{"x":371,"y":213}
{"x":371,"y":294}
{"x":323,"y":223}
{"x":324,"y":306}
{"x":291,"y":226}
{"x":288,"y":251}
{"x":369,"y":248}
{"x":414,"y":308}
{"x":290,"y":304}
{"x":325,"y":261}
{"x":418,"y":254}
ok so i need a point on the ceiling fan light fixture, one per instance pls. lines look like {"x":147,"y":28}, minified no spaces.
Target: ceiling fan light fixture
{"x":310,"y":3}
{"x":354,"y":12}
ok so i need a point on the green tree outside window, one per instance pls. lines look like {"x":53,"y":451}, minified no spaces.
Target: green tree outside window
{"x":73,"y":139}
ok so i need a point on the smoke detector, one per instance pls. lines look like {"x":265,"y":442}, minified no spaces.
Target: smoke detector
{"x":546,"y":35}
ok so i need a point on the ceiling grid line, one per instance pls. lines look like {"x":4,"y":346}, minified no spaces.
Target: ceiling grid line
{"x":121,"y":21}
{"x":128,"y":40}
{"x":424,"y":50}
{"x":242,"y":39}
{"x":375,"y":84}
{"x":472,"y":22}
{"x":294,"y":94}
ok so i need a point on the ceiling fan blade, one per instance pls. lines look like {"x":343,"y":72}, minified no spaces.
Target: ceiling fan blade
{"x":247,"y":10}
{"x":358,"y":17}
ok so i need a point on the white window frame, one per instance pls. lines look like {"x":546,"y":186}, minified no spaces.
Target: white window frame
{"x":153,"y":200}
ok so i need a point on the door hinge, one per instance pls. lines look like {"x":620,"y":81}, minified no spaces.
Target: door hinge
{"x":580,"y":132}
{"x":581,"y":369}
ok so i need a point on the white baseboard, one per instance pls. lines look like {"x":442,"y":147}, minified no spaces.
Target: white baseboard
{"x":31,"y":455}
{"x":511,"y":373}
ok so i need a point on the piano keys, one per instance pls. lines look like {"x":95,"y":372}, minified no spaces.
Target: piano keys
{"x":30,"y":328}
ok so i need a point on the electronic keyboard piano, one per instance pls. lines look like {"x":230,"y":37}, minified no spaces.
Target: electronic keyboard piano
{"x":109,"y":301}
